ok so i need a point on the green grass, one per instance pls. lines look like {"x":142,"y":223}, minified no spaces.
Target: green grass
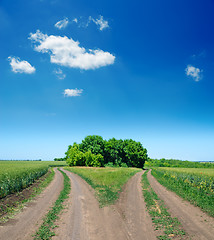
{"x":198,"y":171}
{"x":170,"y":227}
{"x":194,"y":185}
{"x":17,"y":175}
{"x":107,"y":182}
{"x":45,"y":231}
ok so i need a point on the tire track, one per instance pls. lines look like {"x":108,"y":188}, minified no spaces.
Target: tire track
{"x":84,"y":220}
{"x":25,"y":223}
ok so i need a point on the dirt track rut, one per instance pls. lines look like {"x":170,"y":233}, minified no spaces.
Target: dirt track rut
{"x":84,"y":220}
{"x":24,"y":225}
{"x":196,"y":223}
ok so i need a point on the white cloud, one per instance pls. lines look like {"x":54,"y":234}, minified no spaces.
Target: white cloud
{"x":59,"y":73}
{"x":194,"y":72}
{"x":62,"y":23}
{"x":75,"y":20}
{"x":100,"y":22}
{"x":19,"y":66}
{"x":67,"y":52}
{"x":72,"y":92}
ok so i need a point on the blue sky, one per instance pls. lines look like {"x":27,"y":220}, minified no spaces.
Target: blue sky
{"x":141,"y":69}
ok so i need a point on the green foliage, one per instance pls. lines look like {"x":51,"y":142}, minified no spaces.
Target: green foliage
{"x":177,"y":163}
{"x":93,"y":143}
{"x":75,"y":157}
{"x":120,"y":152}
{"x":107,"y":182}
{"x":170,"y":227}
{"x":59,"y":159}
{"x":195,"y":187}
{"x":109,"y":164}
{"x":17,"y":175}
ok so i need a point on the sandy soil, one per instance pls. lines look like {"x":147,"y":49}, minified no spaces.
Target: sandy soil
{"x":84,"y":220}
{"x":196,"y":223}
{"x":25,"y":224}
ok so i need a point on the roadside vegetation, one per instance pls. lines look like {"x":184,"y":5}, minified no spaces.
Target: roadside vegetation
{"x":167,"y":227}
{"x":13,"y":203}
{"x":17,"y":175}
{"x":177,"y":163}
{"x":94,"y":151}
{"x":46,"y":230}
{"x":195,"y":185}
{"x":107,"y":182}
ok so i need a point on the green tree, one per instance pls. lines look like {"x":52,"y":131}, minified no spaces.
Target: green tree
{"x":93,"y":143}
{"x":74,"y":157}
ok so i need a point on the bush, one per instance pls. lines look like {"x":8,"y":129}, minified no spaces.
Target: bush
{"x":109,"y":164}
{"x":124,"y":165}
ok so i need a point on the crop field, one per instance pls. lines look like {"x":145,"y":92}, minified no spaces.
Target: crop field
{"x":193,"y":184}
{"x":17,"y":175}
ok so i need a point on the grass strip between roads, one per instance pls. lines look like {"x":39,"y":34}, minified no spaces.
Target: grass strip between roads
{"x":169,"y":227}
{"x":107,"y":182}
{"x":46,"y":229}
{"x":11,"y":208}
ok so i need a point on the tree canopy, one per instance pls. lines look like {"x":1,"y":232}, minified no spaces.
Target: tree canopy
{"x":97,"y":152}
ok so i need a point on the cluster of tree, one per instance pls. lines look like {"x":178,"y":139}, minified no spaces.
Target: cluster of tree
{"x":59,"y":159}
{"x":177,"y":163}
{"x":97,"y":152}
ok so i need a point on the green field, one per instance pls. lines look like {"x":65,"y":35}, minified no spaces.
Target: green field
{"x":193,"y":184}
{"x":107,"y":182}
{"x":198,"y":171}
{"x":17,"y":175}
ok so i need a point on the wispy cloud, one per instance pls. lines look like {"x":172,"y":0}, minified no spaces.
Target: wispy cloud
{"x":67,"y":52}
{"x":62,"y":23}
{"x":100,"y":22}
{"x":19,"y":66}
{"x":72,"y":92}
{"x":194,"y":72}
{"x":75,"y":20}
{"x":59,"y":73}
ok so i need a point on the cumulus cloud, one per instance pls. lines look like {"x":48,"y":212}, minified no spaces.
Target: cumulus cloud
{"x":19,"y":66}
{"x":100,"y":22}
{"x":67,"y":52}
{"x":72,"y":92}
{"x":59,"y":73}
{"x":194,"y":72}
{"x":62,"y":24}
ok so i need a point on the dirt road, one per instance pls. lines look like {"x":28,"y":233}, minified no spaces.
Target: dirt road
{"x":196,"y":223}
{"x":84,"y":220}
{"x":24,"y":225}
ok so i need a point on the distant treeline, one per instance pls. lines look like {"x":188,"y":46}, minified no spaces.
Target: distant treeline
{"x":97,"y":152}
{"x":60,"y":159}
{"x":177,"y":163}
{"x":22,"y":160}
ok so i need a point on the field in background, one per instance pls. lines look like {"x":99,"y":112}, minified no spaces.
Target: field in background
{"x":193,"y":184}
{"x":198,"y":171}
{"x":107,"y":182}
{"x":17,"y":175}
